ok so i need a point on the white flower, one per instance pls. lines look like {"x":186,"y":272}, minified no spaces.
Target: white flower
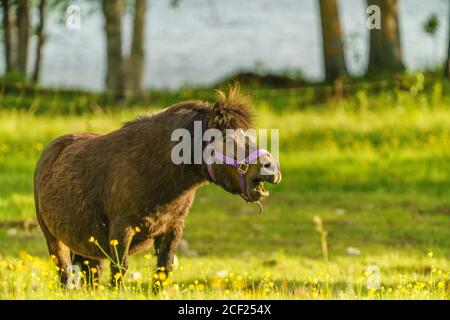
{"x":353,"y":251}
{"x":222,"y":273}
{"x":136,"y":275}
{"x":11,"y":232}
{"x":175,"y":261}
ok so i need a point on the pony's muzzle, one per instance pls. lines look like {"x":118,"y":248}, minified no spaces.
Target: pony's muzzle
{"x":270,"y":171}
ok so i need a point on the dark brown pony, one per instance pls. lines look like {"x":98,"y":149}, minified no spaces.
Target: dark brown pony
{"x":123,"y":190}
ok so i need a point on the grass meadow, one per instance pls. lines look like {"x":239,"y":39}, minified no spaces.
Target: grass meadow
{"x":374,"y":169}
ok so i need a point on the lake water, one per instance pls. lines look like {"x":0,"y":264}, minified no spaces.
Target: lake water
{"x":202,"y":41}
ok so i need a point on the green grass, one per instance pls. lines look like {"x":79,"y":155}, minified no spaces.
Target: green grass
{"x":376,"y":169}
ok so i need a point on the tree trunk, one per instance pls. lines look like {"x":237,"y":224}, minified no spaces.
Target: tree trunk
{"x":333,"y":51}
{"x":385,"y":49}
{"x":112,"y":10}
{"x":23,"y":31}
{"x":7,"y":34}
{"x":136,"y":59}
{"x":447,"y":62}
{"x":41,"y":39}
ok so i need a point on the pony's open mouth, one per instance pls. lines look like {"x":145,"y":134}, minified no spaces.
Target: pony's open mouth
{"x":258,"y":190}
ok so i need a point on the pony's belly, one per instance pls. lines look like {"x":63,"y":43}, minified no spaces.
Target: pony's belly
{"x":76,"y":233}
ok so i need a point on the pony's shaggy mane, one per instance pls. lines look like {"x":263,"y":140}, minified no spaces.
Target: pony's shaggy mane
{"x":231,"y":111}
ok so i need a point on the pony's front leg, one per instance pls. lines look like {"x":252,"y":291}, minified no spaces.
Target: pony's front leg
{"x":119,"y":245}
{"x":165,"y":246}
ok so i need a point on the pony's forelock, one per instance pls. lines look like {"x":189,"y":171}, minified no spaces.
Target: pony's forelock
{"x":232,"y":110}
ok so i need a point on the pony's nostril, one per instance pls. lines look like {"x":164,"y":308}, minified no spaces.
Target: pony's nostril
{"x":268,"y":165}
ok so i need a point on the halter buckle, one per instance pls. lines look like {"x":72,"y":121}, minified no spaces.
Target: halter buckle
{"x":243,"y":167}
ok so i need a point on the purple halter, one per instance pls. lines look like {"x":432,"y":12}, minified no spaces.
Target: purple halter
{"x":241,"y":166}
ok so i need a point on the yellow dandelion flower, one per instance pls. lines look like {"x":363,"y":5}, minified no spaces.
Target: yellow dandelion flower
{"x":39,"y":146}
{"x":313,"y":280}
{"x":147,"y":257}
{"x":191,"y":287}
{"x":227,"y":292}
{"x":117,"y":276}
{"x":166,"y":283}
{"x":137,"y":229}
{"x":114,"y":242}
{"x":176,"y":287}
{"x":23,"y":255}
{"x":441,"y":284}
{"x":86,"y":262}
{"x":162,"y":276}
{"x":430,"y":255}
{"x":419,"y":286}
{"x":91,"y":239}
{"x":201,"y":287}
{"x":94,"y":270}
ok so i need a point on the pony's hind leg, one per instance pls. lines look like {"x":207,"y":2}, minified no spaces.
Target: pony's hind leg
{"x":60,"y":254}
{"x":58,"y":251}
{"x":90,"y":268}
